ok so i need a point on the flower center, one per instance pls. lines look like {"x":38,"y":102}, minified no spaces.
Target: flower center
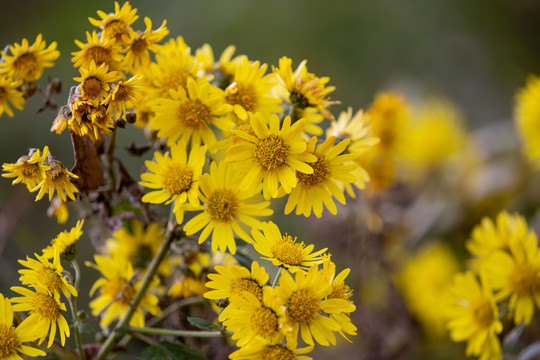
{"x":91,"y":87}
{"x":340,"y":291}
{"x":69,"y":253}
{"x":243,"y":95}
{"x":27,"y":66}
{"x":241,"y":285}
{"x":302,"y":305}
{"x":299,"y":100}
{"x":320,"y":174}
{"x":194,"y":114}
{"x":265,"y":322}
{"x":3,"y":93}
{"x":177,"y":179}
{"x":100,"y":55}
{"x":50,"y":279}
{"x":142,"y":257}
{"x":525,"y":280}
{"x":30,"y":171}
{"x":271,"y":152}
{"x":173,"y":81}
{"x":288,"y":251}
{"x":121,"y":93}
{"x":115,"y":29}
{"x":482,"y":313}
{"x":277,"y":352}
{"x":223,"y":205}
{"x":46,"y":306}
{"x":8,"y":341}
{"x":245,"y":128}
{"x":139,"y":46}
{"x":115,"y":287}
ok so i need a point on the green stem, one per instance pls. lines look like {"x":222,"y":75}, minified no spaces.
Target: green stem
{"x":115,"y":335}
{"x":190,"y":333}
{"x":276,"y":278}
{"x":74,"y":312}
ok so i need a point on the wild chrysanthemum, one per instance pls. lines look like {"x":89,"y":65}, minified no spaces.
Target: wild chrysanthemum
{"x":29,"y":169}
{"x":526,"y":114}
{"x":175,"y":177}
{"x":190,"y":114}
{"x":9,"y":92}
{"x":315,"y":189}
{"x":95,"y":81}
{"x":284,"y":250}
{"x":138,"y":44}
{"x":516,"y":275}
{"x":260,"y":350}
{"x":223,"y":69}
{"x":26,"y":62}
{"x":234,"y":280}
{"x":12,"y":338}
{"x":307,"y":307}
{"x":99,"y":50}
{"x":115,"y":25}
{"x":117,"y":288}
{"x":45,"y":312}
{"x":43,"y":273}
{"x":56,"y":179}
{"x":304,"y":88}
{"x":473,"y":317}
{"x":65,"y":243}
{"x":270,"y":155}
{"x":226,"y":209}
{"x":185,"y":286}
{"x":250,"y":90}
{"x":123,"y":93}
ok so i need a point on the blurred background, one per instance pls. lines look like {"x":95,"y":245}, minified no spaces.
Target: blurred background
{"x":475,"y":54}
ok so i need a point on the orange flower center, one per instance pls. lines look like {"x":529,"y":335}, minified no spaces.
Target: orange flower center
{"x":320,"y":174}
{"x":277,"y":352}
{"x":50,"y":279}
{"x":177,"y":179}
{"x":139,"y":46}
{"x":46,"y":307}
{"x":288,"y":251}
{"x":8,"y":341}
{"x":223,"y":205}
{"x":115,"y":29}
{"x":91,"y":87}
{"x":193,"y":114}
{"x":121,"y":93}
{"x":483,"y":313}
{"x":243,"y":95}
{"x":525,"y":280}
{"x":271,"y":152}
{"x":249,"y":285}
{"x":302,"y":305}
{"x":27,"y":66}
{"x":265,"y":322}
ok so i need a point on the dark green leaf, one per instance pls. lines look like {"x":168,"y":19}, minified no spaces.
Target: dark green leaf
{"x":154,"y":352}
{"x":182,"y":351}
{"x":202,"y":323}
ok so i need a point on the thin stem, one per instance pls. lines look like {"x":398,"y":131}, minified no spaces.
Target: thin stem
{"x":77,"y":271}
{"x":74,"y":312}
{"x":110,"y":158}
{"x":190,"y":333}
{"x":174,"y":307}
{"x":115,"y":335}
{"x":278,"y":275}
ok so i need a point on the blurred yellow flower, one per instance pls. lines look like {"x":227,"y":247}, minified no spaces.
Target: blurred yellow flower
{"x":9,"y":92}
{"x":527,"y":117}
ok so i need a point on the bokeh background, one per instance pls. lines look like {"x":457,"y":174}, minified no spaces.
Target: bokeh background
{"x":475,"y":53}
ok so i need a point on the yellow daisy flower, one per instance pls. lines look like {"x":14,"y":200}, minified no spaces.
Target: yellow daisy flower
{"x":526,"y":113}
{"x":116,"y":25}
{"x":223,"y":69}
{"x":250,"y":90}
{"x":99,"y":50}
{"x":138,"y":44}
{"x":123,"y":93}
{"x":283,"y":250}
{"x":225,"y":209}
{"x":307,"y":307}
{"x":315,"y":189}
{"x":234,"y":280}
{"x":65,"y":243}
{"x":26,"y":62}
{"x":473,"y":317}
{"x":257,"y":350}
{"x":9,"y":92}
{"x":84,"y":117}
{"x":175,"y":177}
{"x":305,"y":89}
{"x":190,"y":114}
{"x":43,"y":273}
{"x":116,"y":292}
{"x":185,"y":286}
{"x":516,"y":274}
{"x":29,"y":169}
{"x":95,"y":81}
{"x":57,"y":179}
{"x":45,"y":312}
{"x":12,"y":338}
{"x":270,"y":155}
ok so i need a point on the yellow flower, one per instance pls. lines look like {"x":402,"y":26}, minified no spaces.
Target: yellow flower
{"x":95,"y":81}
{"x":225,"y":209}
{"x":234,"y":280}
{"x":26,"y":62}
{"x":117,"y":290}
{"x":9,"y":92}
{"x":315,"y":189}
{"x":57,"y":179}
{"x":270,"y":155}
{"x":138,"y":44}
{"x":175,"y":177}
{"x":250,"y":88}
{"x":65,"y":243}
{"x":29,"y":169}
{"x":190,"y":114}
{"x":12,"y":338}
{"x":223,"y":69}
{"x":260,"y":350}
{"x":526,"y":114}
{"x":43,"y":273}
{"x":185,"y":286}
{"x":304,"y":88}
{"x":125,"y":92}
{"x":307,"y":306}
{"x":116,"y":25}
{"x":100,"y":51}
{"x":58,"y":210}
{"x":283,"y":250}
{"x":45,"y":312}
{"x":473,"y":317}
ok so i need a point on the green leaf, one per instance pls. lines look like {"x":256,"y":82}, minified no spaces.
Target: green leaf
{"x":182,"y":351}
{"x":86,"y":329}
{"x":154,"y":352}
{"x":202,"y":323}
